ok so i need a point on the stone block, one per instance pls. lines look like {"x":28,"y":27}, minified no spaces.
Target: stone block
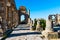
{"x":53,"y":35}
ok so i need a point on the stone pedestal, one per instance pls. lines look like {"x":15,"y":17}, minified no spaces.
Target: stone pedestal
{"x":48,"y":28}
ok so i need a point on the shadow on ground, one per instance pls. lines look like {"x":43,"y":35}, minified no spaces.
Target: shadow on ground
{"x":21,"y":34}
{"x":20,"y":29}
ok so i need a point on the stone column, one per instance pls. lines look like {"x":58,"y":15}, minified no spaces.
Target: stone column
{"x":30,"y":24}
{"x":38,"y":26}
{"x":33,"y":22}
{"x":29,"y":21}
{"x":48,"y":26}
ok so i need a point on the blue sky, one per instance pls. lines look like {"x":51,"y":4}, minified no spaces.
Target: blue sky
{"x":40,"y":8}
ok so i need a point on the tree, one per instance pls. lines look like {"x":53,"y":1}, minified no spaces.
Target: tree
{"x":43,"y":23}
{"x":35,"y":24}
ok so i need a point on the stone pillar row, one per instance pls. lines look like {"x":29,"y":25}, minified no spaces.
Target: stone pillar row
{"x":31,"y":23}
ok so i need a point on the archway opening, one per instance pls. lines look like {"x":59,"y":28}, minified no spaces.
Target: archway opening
{"x":22,"y":19}
{"x":53,"y":18}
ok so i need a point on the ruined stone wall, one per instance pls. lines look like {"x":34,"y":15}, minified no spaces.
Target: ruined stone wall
{"x":23,"y":11}
{"x":8,"y":13}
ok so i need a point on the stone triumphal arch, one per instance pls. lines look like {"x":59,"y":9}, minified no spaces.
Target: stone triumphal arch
{"x":23,"y":11}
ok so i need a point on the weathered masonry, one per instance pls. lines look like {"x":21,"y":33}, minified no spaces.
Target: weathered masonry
{"x":23,"y":11}
{"x":8,"y":15}
{"x":55,"y":18}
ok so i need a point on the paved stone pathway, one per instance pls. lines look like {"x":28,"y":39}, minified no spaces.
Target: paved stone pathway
{"x":23,"y":33}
